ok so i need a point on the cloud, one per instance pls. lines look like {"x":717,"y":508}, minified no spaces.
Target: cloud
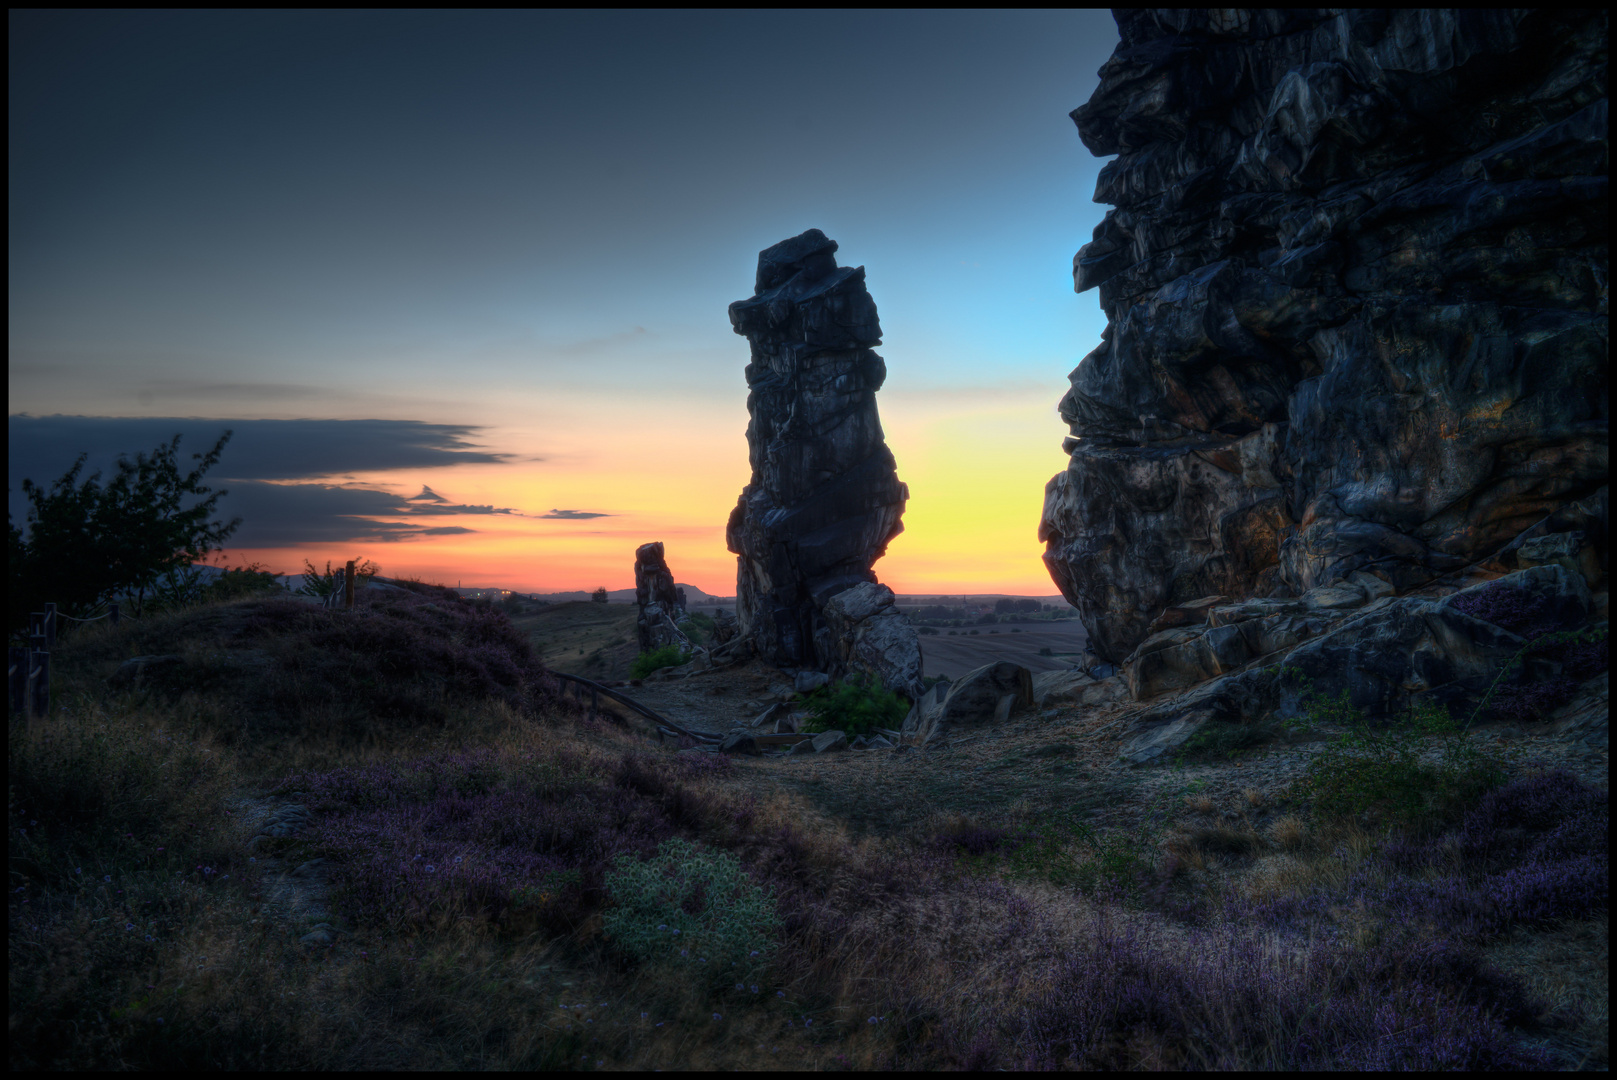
{"x":572,"y":515}
{"x":42,"y":448}
{"x":273,"y":514}
{"x":280,"y":515}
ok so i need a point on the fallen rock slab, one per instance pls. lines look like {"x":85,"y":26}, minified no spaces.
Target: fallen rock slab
{"x":829,"y":742}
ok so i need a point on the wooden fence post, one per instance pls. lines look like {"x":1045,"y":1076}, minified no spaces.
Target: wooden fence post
{"x":16,"y":678}
{"x":115,"y":613}
{"x":50,"y":626}
{"x":36,"y":630}
{"x":348,"y":586}
{"x":39,"y":682}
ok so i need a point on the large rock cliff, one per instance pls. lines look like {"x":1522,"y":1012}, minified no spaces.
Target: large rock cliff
{"x":825,"y":497}
{"x":1356,"y":284}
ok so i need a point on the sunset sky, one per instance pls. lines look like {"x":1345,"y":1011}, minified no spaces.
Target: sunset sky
{"x":458,"y":281}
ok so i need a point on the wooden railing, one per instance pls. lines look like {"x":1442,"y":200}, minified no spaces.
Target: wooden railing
{"x":665,"y":727}
{"x":580,"y":684}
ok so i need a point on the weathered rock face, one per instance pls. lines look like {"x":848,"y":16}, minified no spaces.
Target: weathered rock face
{"x":1356,"y":284}
{"x":825,"y":497}
{"x":987,"y":695}
{"x":872,"y":638}
{"x":661,"y":604}
{"x":1385,"y":654}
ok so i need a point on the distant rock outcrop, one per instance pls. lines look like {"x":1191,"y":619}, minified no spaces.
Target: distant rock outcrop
{"x":660,"y":602}
{"x":825,"y":498}
{"x":1356,"y":290}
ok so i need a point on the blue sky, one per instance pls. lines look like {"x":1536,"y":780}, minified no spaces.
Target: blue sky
{"x":531,"y":225}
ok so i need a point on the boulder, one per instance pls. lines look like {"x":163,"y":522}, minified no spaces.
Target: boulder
{"x":1054,"y":687}
{"x":771,"y":715}
{"x":1586,"y":718}
{"x":804,"y":747}
{"x":1174,"y":659}
{"x":739,"y":742}
{"x":1385,"y":658}
{"x":828,"y":742}
{"x":1075,"y":687}
{"x":807,"y":682}
{"x":824,"y":498}
{"x":989,"y":694}
{"x":871,"y":638}
{"x":1337,"y":347}
{"x":321,"y":934}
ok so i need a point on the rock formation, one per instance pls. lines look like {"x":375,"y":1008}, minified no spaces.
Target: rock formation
{"x":661,"y":604}
{"x":825,"y":498}
{"x":1356,"y":290}
{"x":986,"y":695}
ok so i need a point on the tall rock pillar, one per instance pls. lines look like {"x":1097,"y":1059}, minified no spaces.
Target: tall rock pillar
{"x":660,"y":603}
{"x":825,"y":497}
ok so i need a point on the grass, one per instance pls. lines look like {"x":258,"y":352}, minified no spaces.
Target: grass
{"x":497,"y":868}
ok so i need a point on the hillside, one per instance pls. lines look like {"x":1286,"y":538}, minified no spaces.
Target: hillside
{"x":297,"y":838}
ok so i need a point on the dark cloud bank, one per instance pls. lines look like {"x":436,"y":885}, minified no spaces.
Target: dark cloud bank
{"x":42,"y":448}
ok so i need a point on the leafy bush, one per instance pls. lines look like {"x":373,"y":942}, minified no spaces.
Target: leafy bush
{"x":91,"y":542}
{"x":1380,"y":773}
{"x":237,"y":582}
{"x":689,"y":903}
{"x":854,"y":707}
{"x":656,"y":659}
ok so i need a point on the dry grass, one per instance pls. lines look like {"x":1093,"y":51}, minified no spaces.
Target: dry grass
{"x":898,"y":948}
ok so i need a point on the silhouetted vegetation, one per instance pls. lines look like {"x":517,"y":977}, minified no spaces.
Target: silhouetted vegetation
{"x":89,"y":541}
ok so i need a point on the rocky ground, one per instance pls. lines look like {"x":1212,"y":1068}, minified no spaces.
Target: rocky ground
{"x":1062,"y":756}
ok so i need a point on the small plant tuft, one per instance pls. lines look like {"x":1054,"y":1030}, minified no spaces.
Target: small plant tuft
{"x":656,"y":660}
{"x":690,"y":903}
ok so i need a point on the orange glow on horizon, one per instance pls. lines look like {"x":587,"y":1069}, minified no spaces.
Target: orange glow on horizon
{"x":976,"y":477}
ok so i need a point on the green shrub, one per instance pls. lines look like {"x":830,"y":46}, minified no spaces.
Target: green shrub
{"x":1215,"y":740}
{"x":1378,"y":772}
{"x":1068,"y":853}
{"x":656,"y":659}
{"x":692,"y":905}
{"x":854,"y":707}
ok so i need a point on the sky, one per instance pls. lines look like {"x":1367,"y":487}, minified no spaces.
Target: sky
{"x":457,"y":282}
